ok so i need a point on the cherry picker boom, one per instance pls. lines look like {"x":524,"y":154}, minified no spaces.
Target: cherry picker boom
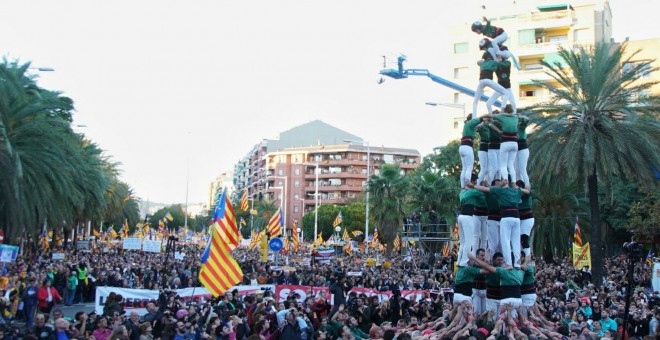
{"x":401,"y":73}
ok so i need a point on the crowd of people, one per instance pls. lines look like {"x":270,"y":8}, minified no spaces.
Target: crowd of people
{"x":567,"y":304}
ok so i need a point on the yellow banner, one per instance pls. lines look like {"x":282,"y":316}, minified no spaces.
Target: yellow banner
{"x":581,"y":256}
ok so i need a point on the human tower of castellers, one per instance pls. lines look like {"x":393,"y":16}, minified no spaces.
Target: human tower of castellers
{"x":496,"y":219}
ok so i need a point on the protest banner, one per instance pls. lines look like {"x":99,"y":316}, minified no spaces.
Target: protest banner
{"x":151,"y":246}
{"x":132,"y":243}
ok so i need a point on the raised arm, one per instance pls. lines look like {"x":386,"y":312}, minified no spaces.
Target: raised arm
{"x":482,"y":264}
{"x":478,"y":187}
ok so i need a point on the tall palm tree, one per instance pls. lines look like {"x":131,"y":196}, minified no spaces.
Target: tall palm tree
{"x":388,"y":191}
{"x":600,"y":122}
{"x":431,"y":191}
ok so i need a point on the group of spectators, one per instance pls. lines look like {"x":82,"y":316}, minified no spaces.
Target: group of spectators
{"x":569,"y":305}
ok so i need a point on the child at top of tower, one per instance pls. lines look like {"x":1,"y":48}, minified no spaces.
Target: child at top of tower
{"x":497,"y":36}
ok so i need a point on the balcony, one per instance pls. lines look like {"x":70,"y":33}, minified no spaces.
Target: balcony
{"x":553,"y":19}
{"x":527,"y":77}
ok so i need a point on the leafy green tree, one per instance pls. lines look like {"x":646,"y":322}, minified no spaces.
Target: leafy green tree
{"x":644,"y":222}
{"x":388,"y":191}
{"x":598,"y":124}
{"x":444,"y":161}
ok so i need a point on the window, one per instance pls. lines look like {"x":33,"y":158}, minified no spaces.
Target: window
{"x":455,"y":125}
{"x":296,"y":184}
{"x":295,"y":208}
{"x":460,"y":72}
{"x":296,"y":196}
{"x":535,"y":66}
{"x":279,"y":197}
{"x":527,"y":37}
{"x":529,"y":93}
{"x":456,"y":94}
{"x":280,"y":172}
{"x":558,"y":38}
{"x":460,"y":48}
{"x":296,"y":171}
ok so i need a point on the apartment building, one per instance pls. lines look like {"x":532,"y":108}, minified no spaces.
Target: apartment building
{"x":535,"y":30}
{"x":283,"y":169}
{"x":646,"y":50}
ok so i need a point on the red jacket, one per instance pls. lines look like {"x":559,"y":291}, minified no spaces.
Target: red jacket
{"x":42,"y":296}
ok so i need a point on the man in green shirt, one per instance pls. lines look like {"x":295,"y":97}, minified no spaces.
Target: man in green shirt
{"x":508,"y":123}
{"x":508,"y":198}
{"x":511,"y":280}
{"x":465,"y":150}
{"x":528,"y":287}
{"x":487,"y":66}
{"x":466,"y":223}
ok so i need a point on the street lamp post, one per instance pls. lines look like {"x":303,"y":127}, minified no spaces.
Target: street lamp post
{"x":316,"y":198}
{"x":302,"y":216}
{"x":284,"y":200}
{"x":366,"y":218}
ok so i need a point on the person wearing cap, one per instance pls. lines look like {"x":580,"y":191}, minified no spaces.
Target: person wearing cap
{"x":71,"y":285}
{"x":47,"y":296}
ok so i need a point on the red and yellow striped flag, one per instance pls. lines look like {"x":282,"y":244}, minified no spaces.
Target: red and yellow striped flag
{"x":295,"y":238}
{"x":275,"y":224}
{"x":219,"y":271}
{"x":577,"y":233}
{"x":397,"y":243}
{"x":244,"y":200}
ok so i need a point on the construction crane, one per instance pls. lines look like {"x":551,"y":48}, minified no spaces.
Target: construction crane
{"x":401,"y":73}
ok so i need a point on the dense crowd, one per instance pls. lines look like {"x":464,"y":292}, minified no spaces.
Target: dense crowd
{"x":567,"y":305}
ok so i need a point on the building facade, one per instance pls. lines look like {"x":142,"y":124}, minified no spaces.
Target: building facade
{"x":534,"y":34}
{"x":284,"y":169}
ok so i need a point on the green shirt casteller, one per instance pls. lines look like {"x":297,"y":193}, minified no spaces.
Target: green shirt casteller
{"x":471,"y":197}
{"x":510,"y":277}
{"x":493,"y":205}
{"x":466,"y":274}
{"x":528,"y":277}
{"x":522,"y":126}
{"x":470,"y":127}
{"x":488,"y":65}
{"x":507,"y":197}
{"x":489,"y":30}
{"x":508,"y":123}
{"x":484,"y":133}
{"x":525,"y":202}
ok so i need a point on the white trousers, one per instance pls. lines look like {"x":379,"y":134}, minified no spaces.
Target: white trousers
{"x":479,"y":300}
{"x":496,"y":95}
{"x":493,"y":238}
{"x":483,"y":166}
{"x":522,"y":157}
{"x":465,"y":236}
{"x":494,"y":50}
{"x":493,"y":170}
{"x":467,"y":161}
{"x":480,"y":239}
{"x":507,"y":156}
{"x":526,"y":227}
{"x":510,"y":239}
{"x":480,"y":91}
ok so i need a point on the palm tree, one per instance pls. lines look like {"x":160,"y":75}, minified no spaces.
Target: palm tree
{"x":555,"y":209}
{"x":431,"y":191}
{"x":599,"y":123}
{"x":389,"y":192}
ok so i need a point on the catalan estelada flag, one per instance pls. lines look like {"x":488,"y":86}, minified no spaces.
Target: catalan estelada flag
{"x":577,"y":233}
{"x":348,"y":248}
{"x":445,"y":250}
{"x":256,"y":237}
{"x":649,"y":257}
{"x":225,"y":219}
{"x":357,"y":233}
{"x":244,"y":200}
{"x":219,"y":271}
{"x":275,"y":224}
{"x":337,"y":220}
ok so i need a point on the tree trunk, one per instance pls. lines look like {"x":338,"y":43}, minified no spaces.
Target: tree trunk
{"x":596,"y":231}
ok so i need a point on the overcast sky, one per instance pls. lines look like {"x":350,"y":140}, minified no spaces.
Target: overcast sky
{"x":183,"y":89}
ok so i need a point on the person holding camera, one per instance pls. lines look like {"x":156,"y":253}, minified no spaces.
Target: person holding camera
{"x":290,"y":329}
